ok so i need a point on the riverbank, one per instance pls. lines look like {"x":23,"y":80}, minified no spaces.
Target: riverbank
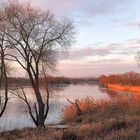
{"x":133,"y":89}
{"x":117,"y":119}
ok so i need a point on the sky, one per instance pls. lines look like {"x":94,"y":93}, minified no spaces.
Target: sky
{"x":107,"y":39}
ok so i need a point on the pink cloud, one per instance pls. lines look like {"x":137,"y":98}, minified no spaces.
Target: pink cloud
{"x":59,"y":6}
{"x":85,"y":69}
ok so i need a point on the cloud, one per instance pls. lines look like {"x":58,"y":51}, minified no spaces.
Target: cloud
{"x":105,"y":6}
{"x":101,"y":51}
{"x":57,"y":6}
{"x":77,"y":68}
{"x":91,"y":50}
{"x":108,"y":61}
{"x":98,"y":59}
{"x":96,"y":7}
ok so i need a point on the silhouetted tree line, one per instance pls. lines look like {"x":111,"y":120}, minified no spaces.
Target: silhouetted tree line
{"x":129,"y":78}
{"x":52,"y":80}
{"x":67,"y":80}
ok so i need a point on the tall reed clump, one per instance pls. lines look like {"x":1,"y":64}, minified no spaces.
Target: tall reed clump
{"x":112,"y":119}
{"x":97,"y":110}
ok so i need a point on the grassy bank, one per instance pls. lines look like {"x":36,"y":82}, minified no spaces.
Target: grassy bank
{"x":117,"y":119}
{"x":133,"y":89}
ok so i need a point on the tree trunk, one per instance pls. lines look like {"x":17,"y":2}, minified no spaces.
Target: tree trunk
{"x":41,"y":115}
{"x":4,"y":74}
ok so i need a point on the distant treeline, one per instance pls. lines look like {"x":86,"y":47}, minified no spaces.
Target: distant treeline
{"x":53,"y":80}
{"x":67,"y":80}
{"x":129,"y":78}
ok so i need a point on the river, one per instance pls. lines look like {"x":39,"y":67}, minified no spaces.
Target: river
{"x":16,"y":117}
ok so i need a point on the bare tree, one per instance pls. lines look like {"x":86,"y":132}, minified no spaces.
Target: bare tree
{"x":35,"y":37}
{"x":3,"y":72}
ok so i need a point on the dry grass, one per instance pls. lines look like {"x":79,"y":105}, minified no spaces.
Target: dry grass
{"x":93,"y":111}
{"x":117,"y":119}
{"x":113,"y":129}
{"x":32,"y":133}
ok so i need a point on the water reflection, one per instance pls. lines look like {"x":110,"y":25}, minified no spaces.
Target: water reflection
{"x":16,"y":116}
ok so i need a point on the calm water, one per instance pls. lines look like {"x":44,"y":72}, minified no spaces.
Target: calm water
{"x":16,"y":116}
